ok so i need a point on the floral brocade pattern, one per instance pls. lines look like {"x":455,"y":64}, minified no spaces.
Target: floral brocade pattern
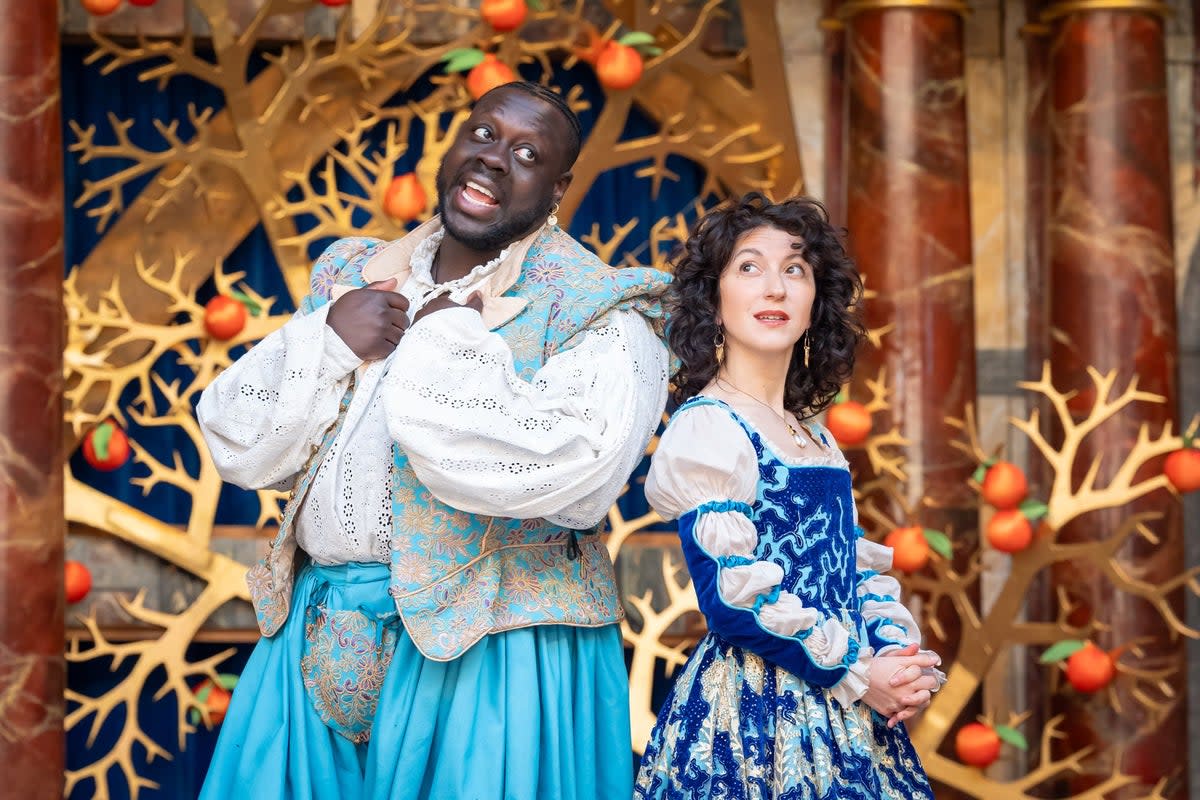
{"x":345,"y":660}
{"x":739,"y":728}
{"x":509,"y":589}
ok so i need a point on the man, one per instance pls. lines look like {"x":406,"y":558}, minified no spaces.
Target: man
{"x":455,"y":411}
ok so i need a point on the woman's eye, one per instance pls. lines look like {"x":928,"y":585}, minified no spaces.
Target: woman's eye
{"x":525,"y":153}
{"x":748,"y":266}
{"x":795,"y":269}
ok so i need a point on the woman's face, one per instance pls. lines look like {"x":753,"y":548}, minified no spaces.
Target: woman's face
{"x":765,"y":293}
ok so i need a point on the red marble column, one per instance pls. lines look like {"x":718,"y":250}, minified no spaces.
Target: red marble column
{"x":1040,"y":601}
{"x":31,"y":462}
{"x":908,"y":212}
{"x":1037,"y":172}
{"x":1112,"y":282}
{"x":835,"y":115}
{"x":908,"y":215}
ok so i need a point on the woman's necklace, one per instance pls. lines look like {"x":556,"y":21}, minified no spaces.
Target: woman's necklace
{"x":800,"y":441}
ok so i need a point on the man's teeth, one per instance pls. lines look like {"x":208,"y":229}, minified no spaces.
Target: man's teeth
{"x":481,"y":190}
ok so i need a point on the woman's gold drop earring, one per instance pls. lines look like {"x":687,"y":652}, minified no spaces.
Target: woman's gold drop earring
{"x":719,"y":346}
{"x":806,"y":337}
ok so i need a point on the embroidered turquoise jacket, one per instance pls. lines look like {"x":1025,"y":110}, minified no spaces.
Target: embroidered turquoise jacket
{"x":456,"y":577}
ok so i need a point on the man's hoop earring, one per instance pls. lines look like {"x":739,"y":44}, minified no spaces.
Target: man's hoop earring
{"x":719,"y":346}
{"x":552,"y":220}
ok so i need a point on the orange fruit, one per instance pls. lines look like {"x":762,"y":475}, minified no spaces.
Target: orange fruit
{"x":619,"y":66}
{"x":77,"y":580}
{"x":976,"y":744}
{"x":910,"y":549}
{"x":1009,"y":531}
{"x":224,"y":317}
{"x":100,"y":8}
{"x":503,"y":15}
{"x":1004,"y":485}
{"x":405,"y":198}
{"x":849,"y":422}
{"x":216,"y":701}
{"x":487,"y":75}
{"x":1090,"y":669}
{"x":1182,"y":469}
{"x":106,"y":447}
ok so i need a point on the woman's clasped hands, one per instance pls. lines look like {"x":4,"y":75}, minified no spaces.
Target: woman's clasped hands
{"x":899,"y":685}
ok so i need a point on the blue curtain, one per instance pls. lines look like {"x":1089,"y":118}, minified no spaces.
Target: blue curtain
{"x":88,"y":98}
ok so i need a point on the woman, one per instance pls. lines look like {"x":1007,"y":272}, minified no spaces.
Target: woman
{"x":810,"y":661}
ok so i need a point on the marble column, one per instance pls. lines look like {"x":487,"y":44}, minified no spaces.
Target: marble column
{"x":1112,"y":306}
{"x":31,"y":461}
{"x":1040,"y":602}
{"x":1037,"y":160}
{"x":835,"y":113}
{"x":908,"y":215}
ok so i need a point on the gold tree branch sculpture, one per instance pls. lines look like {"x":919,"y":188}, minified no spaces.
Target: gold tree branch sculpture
{"x":1067,"y":503}
{"x":157,"y":404}
{"x":166,"y":652}
{"x":987,"y":637}
{"x":648,"y":646}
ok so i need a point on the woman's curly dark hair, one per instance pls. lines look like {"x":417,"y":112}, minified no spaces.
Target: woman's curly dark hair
{"x":836,"y":327}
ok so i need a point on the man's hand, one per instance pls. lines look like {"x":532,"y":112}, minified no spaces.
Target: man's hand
{"x":370,"y":320}
{"x":898,"y":687}
{"x":443,"y":301}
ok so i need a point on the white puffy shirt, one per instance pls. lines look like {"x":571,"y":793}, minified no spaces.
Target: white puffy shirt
{"x":560,"y":446}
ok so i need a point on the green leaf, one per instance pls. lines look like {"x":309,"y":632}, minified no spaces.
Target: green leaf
{"x":1034,"y":510}
{"x":939,"y":543}
{"x":841,"y":397}
{"x":635,"y":38}
{"x":1012,"y":736}
{"x":463,"y":59}
{"x":534,"y":5}
{"x":649,"y":50}
{"x":194,"y":716}
{"x":254,"y":308}
{"x":101,"y":438}
{"x":204,"y":691}
{"x":227,"y":680}
{"x":979,"y":474}
{"x":1060,"y":650}
{"x":458,"y":51}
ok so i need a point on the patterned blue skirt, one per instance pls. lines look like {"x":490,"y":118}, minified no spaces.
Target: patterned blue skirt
{"x":737,"y":727}
{"x":340,"y":704}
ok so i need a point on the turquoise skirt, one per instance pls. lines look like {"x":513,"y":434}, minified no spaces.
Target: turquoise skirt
{"x":540,"y":712}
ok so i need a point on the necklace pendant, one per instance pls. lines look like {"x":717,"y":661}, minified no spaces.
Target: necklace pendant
{"x":796,"y":437}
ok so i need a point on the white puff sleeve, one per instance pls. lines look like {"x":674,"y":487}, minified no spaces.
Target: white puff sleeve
{"x":263,"y":415}
{"x":705,"y":472}
{"x":560,"y":446}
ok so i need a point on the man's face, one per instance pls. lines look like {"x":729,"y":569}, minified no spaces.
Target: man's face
{"x":505,"y":170}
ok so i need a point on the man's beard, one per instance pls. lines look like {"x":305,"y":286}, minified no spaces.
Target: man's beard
{"x":500,"y":233}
